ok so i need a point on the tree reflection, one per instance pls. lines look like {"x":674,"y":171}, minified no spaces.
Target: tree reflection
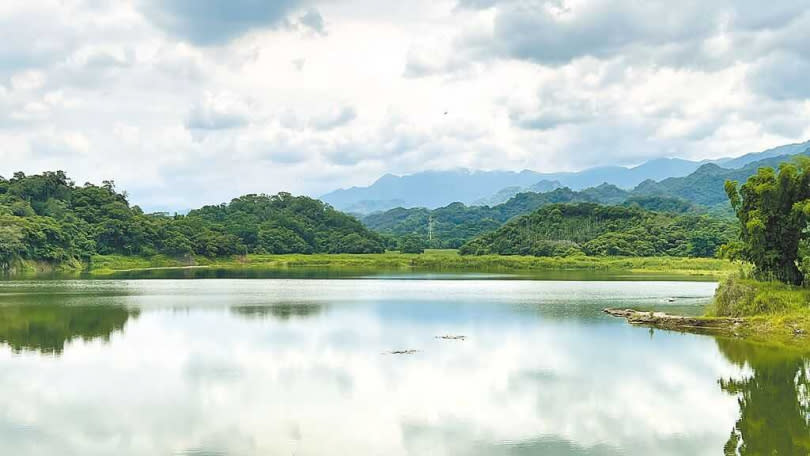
{"x":281,"y":311}
{"x":774,"y":400}
{"x":47,"y":328}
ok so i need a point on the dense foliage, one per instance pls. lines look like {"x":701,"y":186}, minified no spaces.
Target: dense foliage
{"x":772,"y":208}
{"x":705,"y":186}
{"x":456,"y":224}
{"x":591,"y":229}
{"x":48,"y":218}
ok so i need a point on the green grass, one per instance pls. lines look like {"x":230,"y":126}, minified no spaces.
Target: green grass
{"x":431,"y":260}
{"x":105,"y":264}
{"x":771,"y":313}
{"x":740,"y":297}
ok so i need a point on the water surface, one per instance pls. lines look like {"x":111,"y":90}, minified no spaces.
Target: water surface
{"x":304,"y":367}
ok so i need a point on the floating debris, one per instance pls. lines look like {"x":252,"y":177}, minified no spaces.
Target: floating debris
{"x":401,"y":352}
{"x":667,"y":321}
{"x":448,"y":337}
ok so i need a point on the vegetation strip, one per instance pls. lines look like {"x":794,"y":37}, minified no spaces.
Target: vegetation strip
{"x":434,"y":261}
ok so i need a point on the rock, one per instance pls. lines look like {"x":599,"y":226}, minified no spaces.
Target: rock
{"x":667,"y":321}
{"x":447,"y":337}
{"x":401,"y":352}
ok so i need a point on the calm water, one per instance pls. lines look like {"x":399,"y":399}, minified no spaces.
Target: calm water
{"x":304,"y":367}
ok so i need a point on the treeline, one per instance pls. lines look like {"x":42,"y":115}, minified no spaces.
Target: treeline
{"x":701,"y":192}
{"x":593,"y":229}
{"x":452,"y":226}
{"x":47,"y":217}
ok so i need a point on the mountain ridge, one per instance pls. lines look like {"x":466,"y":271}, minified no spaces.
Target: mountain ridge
{"x":435,"y":189}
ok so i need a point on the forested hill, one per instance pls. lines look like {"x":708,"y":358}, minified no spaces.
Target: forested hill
{"x":433,"y":189}
{"x":591,"y":229}
{"x":47,"y":217}
{"x":455,"y":224}
{"x":706,"y":185}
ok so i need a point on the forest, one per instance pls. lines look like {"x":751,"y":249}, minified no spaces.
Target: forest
{"x":593,"y":229}
{"x":455,"y":224}
{"x":48,"y":218}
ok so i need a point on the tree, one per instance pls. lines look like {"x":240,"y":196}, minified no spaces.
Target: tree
{"x":412,"y":243}
{"x":11,"y":245}
{"x":772,"y":208}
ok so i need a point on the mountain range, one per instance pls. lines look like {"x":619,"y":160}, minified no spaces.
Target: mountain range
{"x":701,"y":192}
{"x":433,"y":189}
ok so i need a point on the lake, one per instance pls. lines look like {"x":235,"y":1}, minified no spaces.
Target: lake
{"x":360,"y":367}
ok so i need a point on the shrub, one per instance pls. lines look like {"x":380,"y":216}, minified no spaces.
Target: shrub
{"x":738,"y":297}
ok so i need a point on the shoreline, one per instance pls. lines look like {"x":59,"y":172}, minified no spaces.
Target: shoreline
{"x":430,"y":261}
{"x":789,"y":330}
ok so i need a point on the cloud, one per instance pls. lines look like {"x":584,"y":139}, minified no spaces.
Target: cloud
{"x":693,"y":33}
{"x":313,"y":20}
{"x":782,"y":76}
{"x":218,"y":112}
{"x":174,"y":95}
{"x":59,"y":145}
{"x":333,"y":118}
{"x":216,"y":22}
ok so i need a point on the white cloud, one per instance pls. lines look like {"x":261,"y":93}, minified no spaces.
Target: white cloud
{"x":218,"y":112}
{"x":306,"y":96}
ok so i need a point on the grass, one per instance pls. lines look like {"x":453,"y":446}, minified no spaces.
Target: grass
{"x":106,"y":264}
{"x":768,"y":313}
{"x":431,"y":260}
{"x":771,"y":312}
{"x":741,"y":297}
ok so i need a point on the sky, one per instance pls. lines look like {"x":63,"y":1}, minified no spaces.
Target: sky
{"x":190,"y":102}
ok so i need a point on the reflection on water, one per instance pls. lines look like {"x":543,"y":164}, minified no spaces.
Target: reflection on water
{"x":256,"y":367}
{"x":282,"y":311}
{"x":343,"y":272}
{"x":774,"y":400}
{"x":46,"y":328}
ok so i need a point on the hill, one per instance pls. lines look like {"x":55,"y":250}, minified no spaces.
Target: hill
{"x":706,"y":185}
{"x":457,"y":223}
{"x":592,"y":229}
{"x":48,"y":218}
{"x":435,"y":189}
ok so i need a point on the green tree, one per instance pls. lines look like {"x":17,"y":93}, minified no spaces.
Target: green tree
{"x":11,"y":244}
{"x":772,"y":208}
{"x":412,"y":243}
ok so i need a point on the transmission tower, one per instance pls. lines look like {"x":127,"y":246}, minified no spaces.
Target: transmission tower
{"x":430,"y":228}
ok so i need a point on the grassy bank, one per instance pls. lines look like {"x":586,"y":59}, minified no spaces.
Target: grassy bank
{"x":771,"y":311}
{"x":43,"y":267}
{"x":768,"y":313}
{"x":431,"y":260}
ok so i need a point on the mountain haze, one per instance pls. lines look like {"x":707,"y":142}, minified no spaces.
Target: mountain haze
{"x":433,"y":189}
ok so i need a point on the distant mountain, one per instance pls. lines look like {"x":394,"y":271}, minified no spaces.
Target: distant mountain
{"x":623,"y":177}
{"x":429,"y":189}
{"x":739,"y":162}
{"x":592,"y":229}
{"x":706,"y":186}
{"x":506,"y":193}
{"x":456,"y":223}
{"x":433,"y":189}
{"x":700,"y":192}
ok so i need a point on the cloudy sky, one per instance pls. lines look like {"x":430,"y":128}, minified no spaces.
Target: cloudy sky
{"x":184,"y":102}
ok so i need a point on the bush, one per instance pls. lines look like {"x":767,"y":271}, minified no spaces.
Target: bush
{"x":737,"y":297}
{"x":411,"y":244}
